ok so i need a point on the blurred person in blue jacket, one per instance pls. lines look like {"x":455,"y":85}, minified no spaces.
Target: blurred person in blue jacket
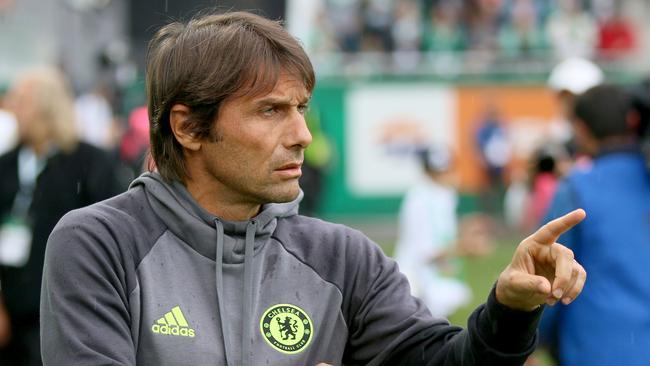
{"x":47,"y":174}
{"x":608,"y":324}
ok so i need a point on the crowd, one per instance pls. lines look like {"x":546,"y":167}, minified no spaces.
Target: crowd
{"x":485,"y":29}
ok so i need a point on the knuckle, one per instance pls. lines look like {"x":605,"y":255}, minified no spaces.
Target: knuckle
{"x":575,"y":271}
{"x":568,"y":252}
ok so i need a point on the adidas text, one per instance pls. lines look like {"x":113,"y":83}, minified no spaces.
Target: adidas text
{"x":172,"y":330}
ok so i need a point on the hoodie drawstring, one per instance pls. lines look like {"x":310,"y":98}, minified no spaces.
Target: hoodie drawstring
{"x":251,"y":228}
{"x":220,"y":293}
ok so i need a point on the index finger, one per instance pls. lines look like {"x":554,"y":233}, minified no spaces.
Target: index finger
{"x":548,"y":234}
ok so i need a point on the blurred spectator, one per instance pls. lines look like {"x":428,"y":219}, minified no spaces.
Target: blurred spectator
{"x":607,"y":325}
{"x":377,"y":18}
{"x":443,"y":32}
{"x":515,"y":200}
{"x":494,"y":150}
{"x":134,"y":144}
{"x":571,"y":30}
{"x":49,"y":173}
{"x":640,"y":95}
{"x":426,"y":249}
{"x":322,"y":38}
{"x":318,"y":156}
{"x":345,"y":19}
{"x":546,"y":170}
{"x":94,"y":117}
{"x":406,"y":33}
{"x":8,"y":130}
{"x":483,"y":23}
{"x":522,"y":35}
{"x":568,"y":79}
{"x":616,"y":34}
{"x":471,"y":35}
{"x":444,"y":37}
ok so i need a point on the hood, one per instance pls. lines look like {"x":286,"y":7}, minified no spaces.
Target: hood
{"x":187,"y":220}
{"x":225,"y":242}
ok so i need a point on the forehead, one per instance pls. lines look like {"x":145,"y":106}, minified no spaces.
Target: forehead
{"x":288,"y":87}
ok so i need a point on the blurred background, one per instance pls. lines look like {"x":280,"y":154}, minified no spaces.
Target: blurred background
{"x":393,"y":76}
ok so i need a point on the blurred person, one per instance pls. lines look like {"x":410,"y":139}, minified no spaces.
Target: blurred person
{"x":568,"y":79}
{"x":494,"y":148}
{"x":318,"y":157}
{"x":443,"y":32}
{"x":640,"y":96}
{"x":571,"y":30}
{"x":406,"y":32}
{"x":378,"y":19}
{"x":347,"y":23}
{"x":8,"y":130}
{"x":522,"y":36}
{"x":94,"y":117}
{"x":515,"y":199}
{"x":607,"y":325}
{"x":482,"y":21}
{"x":426,"y":249}
{"x":49,"y":173}
{"x":205,"y":259}
{"x":617,"y":36}
{"x":547,"y":167}
{"x":134,"y":144}
{"x":444,"y":37}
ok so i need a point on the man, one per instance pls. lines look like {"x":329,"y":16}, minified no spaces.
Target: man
{"x":608,"y":324}
{"x":197,"y":261}
{"x":48,"y":173}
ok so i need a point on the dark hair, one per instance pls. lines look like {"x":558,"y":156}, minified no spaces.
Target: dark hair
{"x":640,"y":96}
{"x":435,"y":159}
{"x":604,"y":110}
{"x":204,"y":62}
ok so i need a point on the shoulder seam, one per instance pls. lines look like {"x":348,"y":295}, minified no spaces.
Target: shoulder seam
{"x":293,"y":254}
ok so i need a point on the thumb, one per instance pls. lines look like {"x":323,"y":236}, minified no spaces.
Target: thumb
{"x":521,"y":290}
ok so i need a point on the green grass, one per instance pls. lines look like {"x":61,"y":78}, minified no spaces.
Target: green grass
{"x":480,"y":274}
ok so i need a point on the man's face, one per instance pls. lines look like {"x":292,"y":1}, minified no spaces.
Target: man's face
{"x":256,"y":152}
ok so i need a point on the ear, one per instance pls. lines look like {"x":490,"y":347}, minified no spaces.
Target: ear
{"x":178,"y":116}
{"x":633,"y":120}
{"x":584,"y":137}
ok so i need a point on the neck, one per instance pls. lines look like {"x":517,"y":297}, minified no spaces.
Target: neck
{"x":219,"y":203}
{"x":40,"y":148}
{"x":614,"y":141}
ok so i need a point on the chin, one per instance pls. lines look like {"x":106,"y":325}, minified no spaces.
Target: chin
{"x":284,"y":194}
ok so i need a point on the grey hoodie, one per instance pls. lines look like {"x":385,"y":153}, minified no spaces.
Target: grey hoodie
{"x":150,"y":278}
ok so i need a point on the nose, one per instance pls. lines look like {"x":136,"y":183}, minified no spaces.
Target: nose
{"x":300,"y":135}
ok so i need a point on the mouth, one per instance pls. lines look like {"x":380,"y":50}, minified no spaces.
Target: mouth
{"x":290,"y":170}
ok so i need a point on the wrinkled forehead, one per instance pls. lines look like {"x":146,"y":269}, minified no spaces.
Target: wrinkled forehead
{"x":271,"y":76}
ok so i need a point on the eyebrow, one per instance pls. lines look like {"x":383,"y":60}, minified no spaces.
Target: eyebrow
{"x":280,"y":101}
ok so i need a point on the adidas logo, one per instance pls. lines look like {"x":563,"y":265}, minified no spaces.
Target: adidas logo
{"x":173,"y":323}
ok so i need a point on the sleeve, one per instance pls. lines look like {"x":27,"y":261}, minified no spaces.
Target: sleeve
{"x":495,"y":335}
{"x":390,"y":327}
{"x":85,"y":318}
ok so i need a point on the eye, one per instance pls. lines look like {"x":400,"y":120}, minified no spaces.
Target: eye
{"x":303,"y":108}
{"x":269,"y":111}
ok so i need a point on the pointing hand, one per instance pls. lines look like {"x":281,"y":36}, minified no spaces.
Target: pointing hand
{"x":543,"y":271}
